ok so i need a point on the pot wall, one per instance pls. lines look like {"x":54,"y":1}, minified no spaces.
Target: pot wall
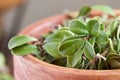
{"x":26,"y":69}
{"x":30,"y":68}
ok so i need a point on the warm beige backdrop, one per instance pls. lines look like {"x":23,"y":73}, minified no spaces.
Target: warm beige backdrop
{"x":38,"y":9}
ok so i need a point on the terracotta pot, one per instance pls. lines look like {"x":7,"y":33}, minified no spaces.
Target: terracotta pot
{"x":30,"y":68}
{"x":6,"y":4}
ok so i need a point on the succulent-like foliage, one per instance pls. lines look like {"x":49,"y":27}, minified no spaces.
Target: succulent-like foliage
{"x":86,"y":43}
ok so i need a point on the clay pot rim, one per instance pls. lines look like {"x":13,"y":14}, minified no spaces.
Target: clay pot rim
{"x":60,"y":68}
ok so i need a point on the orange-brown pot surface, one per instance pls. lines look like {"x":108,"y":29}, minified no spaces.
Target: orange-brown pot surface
{"x":30,"y":68}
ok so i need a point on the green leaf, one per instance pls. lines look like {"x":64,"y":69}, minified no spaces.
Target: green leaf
{"x":73,"y":37}
{"x":102,"y":27}
{"x":113,"y":56}
{"x":92,"y":41}
{"x":118,"y":46}
{"x":102,"y":38}
{"x":78,"y":27}
{"x":100,"y":66}
{"x":98,"y":18}
{"x":89,"y":51}
{"x":113,"y":27}
{"x":114,"y":64}
{"x":80,"y":64}
{"x":93,"y":27}
{"x":2,"y":60}
{"x":104,"y":9}
{"x":99,"y":48}
{"x":52,"y":49}
{"x":84,"y":11}
{"x":111,"y":45}
{"x":59,"y":35}
{"x":25,"y":50}
{"x":5,"y":76}
{"x":46,"y":35}
{"x":20,"y":40}
{"x":73,"y":59}
{"x":114,"y":61}
{"x":118,"y":32}
{"x":70,"y":47}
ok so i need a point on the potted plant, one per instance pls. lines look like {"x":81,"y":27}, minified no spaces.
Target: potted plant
{"x":87,"y":44}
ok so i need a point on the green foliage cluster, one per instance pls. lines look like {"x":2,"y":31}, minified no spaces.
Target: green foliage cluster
{"x":86,"y":43}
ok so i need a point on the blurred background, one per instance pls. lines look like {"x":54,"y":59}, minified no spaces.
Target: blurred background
{"x":18,"y":14}
{"x":38,"y":9}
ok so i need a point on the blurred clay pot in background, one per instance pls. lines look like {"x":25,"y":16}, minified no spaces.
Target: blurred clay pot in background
{"x":6,"y":4}
{"x":30,"y":68}
{"x":1,"y":17}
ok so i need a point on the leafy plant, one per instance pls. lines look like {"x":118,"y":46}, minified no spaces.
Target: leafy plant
{"x":4,"y":74}
{"x":86,"y":43}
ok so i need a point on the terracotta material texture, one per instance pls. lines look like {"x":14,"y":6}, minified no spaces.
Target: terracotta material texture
{"x":6,"y":4}
{"x":30,"y":68}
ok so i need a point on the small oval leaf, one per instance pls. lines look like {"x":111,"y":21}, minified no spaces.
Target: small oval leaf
{"x":104,"y":9}
{"x":84,"y":11}
{"x":93,"y":27}
{"x":78,"y":27}
{"x":59,"y":35}
{"x":73,"y":59}
{"x":113,"y":26}
{"x":92,"y":41}
{"x":20,"y":40}
{"x":102,"y":38}
{"x":89,"y":51}
{"x":70,"y":47}
{"x":25,"y":50}
{"x":74,"y":37}
{"x":113,"y":60}
{"x":52,"y":49}
{"x":114,"y":64}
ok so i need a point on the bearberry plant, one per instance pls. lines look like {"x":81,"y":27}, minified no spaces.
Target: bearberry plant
{"x":85,"y":42}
